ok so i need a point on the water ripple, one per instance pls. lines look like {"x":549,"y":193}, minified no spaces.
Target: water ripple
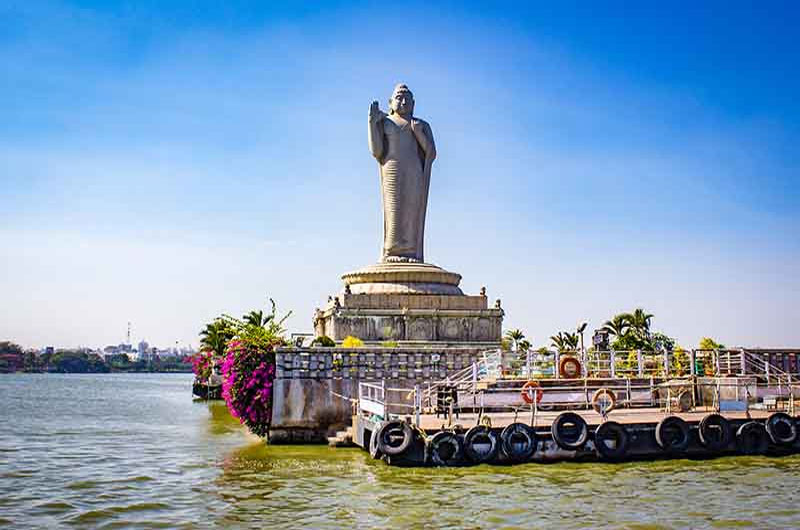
{"x":134,"y":451}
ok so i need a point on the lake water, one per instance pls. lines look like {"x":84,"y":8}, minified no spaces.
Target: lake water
{"x":135,"y":451}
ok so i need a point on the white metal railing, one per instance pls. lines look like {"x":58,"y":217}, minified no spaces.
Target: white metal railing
{"x":372,"y":398}
{"x":636,"y":375}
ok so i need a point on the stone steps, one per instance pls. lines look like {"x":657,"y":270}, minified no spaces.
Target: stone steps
{"x":342,"y":439}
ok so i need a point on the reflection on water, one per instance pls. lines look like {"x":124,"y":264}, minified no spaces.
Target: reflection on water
{"x":136,"y":451}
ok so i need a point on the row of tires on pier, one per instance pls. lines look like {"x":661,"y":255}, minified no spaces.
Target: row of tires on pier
{"x":402,"y":443}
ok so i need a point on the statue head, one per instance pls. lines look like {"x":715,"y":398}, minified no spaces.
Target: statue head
{"x":402,"y":101}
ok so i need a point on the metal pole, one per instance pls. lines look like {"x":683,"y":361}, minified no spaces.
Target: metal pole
{"x":613,"y":358}
{"x":555,"y":366}
{"x":474,"y":377}
{"x":528,"y":363}
{"x":666,"y":364}
{"x":628,"y":390}
{"x":640,"y":366}
{"x":692,"y":363}
{"x":417,"y":403}
{"x":742,"y":361}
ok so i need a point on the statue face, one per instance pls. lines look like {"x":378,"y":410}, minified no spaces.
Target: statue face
{"x":402,"y":102}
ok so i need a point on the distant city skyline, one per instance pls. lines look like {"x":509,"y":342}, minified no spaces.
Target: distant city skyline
{"x":164,"y":164}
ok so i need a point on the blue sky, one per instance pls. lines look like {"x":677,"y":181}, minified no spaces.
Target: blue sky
{"x":165,"y":163}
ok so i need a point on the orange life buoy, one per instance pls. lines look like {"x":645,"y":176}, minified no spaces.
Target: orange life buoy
{"x":569,"y":368}
{"x":529,"y":389}
{"x":604,"y":401}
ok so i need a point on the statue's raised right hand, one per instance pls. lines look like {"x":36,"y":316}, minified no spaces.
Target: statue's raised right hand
{"x":375,"y":113}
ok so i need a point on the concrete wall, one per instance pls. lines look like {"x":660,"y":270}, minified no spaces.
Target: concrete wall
{"x":313,"y":386}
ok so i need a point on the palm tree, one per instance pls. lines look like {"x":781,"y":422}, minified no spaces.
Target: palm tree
{"x":215,"y":337}
{"x":565,"y":341}
{"x":571,"y":340}
{"x":515,"y":336}
{"x":640,"y":321}
{"x":257,"y":318}
{"x":640,"y":327}
{"x":619,"y":325}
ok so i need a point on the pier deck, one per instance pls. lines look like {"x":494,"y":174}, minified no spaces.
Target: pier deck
{"x":430,"y":422}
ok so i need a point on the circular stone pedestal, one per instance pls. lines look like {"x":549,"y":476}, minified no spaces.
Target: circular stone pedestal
{"x":402,"y":278}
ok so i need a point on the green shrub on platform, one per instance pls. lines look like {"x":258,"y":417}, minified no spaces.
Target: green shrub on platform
{"x":323,"y":341}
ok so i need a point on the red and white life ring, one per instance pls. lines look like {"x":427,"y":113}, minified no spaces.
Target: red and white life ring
{"x":531,"y":390}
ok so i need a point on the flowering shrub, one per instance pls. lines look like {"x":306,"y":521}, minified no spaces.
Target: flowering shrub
{"x":247,"y":375}
{"x":248,"y":370}
{"x":352,"y":342}
{"x":202,"y":363}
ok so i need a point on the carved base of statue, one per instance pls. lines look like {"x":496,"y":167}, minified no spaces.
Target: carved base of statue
{"x":417,"y":303}
{"x":403,"y":278}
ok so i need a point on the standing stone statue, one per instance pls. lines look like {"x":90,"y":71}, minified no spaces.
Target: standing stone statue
{"x":403,"y":146}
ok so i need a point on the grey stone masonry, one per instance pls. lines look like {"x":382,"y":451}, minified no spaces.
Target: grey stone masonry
{"x":373,"y":364}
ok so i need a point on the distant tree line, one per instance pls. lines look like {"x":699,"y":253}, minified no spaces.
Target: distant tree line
{"x":14,"y":359}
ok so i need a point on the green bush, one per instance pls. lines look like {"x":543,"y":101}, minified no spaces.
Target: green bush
{"x":323,"y":341}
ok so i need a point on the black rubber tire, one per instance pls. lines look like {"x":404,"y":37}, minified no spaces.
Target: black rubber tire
{"x":512,"y":448}
{"x":479,"y":434}
{"x":570,"y":438}
{"x":752,"y":439}
{"x":393,"y":429}
{"x":782,"y":429}
{"x":715,"y":432}
{"x":672,"y":435}
{"x":434,"y":449}
{"x":374,"y":452}
{"x":609,"y":431}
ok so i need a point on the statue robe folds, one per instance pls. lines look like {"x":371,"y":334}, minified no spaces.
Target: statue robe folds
{"x":405,"y":181}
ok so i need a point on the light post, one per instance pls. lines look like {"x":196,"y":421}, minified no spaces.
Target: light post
{"x":581,"y":329}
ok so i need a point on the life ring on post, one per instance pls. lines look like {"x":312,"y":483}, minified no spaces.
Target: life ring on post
{"x":685,"y":401}
{"x":752,"y":439}
{"x":569,"y":368}
{"x":782,"y":429}
{"x":604,"y":401}
{"x":394,"y":437}
{"x":531,"y":389}
{"x":570,"y":431}
{"x":715,"y":432}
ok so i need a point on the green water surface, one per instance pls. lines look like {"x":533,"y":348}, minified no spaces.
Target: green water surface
{"x":135,"y":451}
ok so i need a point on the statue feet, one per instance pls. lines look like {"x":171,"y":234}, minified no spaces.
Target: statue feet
{"x":400,"y":259}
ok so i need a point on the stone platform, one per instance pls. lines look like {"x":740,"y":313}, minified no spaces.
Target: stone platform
{"x":409,"y":302}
